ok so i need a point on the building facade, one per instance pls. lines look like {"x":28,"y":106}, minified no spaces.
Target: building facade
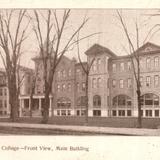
{"x":111,"y":85}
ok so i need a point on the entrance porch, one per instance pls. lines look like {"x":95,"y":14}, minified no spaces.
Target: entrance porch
{"x":36,"y":109}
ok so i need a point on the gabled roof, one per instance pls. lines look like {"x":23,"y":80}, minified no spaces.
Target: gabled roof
{"x":98,"y":49}
{"x":148,"y":48}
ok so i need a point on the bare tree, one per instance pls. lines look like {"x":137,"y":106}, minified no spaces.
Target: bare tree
{"x":12,"y":35}
{"x":50,"y":46}
{"x":32,"y":90}
{"x":86,"y":70}
{"x":135,"y":57}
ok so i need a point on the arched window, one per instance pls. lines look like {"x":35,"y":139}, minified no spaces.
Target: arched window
{"x":63,"y":102}
{"x":96,"y":101}
{"x":122,"y":100}
{"x":149,"y":99}
{"x":81,"y":101}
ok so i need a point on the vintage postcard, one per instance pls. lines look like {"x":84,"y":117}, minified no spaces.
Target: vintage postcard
{"x":79,"y":80}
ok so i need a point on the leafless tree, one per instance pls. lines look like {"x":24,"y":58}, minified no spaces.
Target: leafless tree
{"x":12,"y":35}
{"x":86,"y":70}
{"x":32,"y":91}
{"x":50,"y":46}
{"x":135,"y":57}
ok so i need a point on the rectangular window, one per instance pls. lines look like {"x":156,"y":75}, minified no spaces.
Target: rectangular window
{"x":58,"y":112}
{"x":69,"y":72}
{"x":94,"y":66}
{"x":141,"y":81}
{"x":1,"y":91}
{"x":142,"y":113}
{"x":121,"y":83}
{"x":83,"y":112}
{"x":148,"y":63}
{"x":1,"y":105}
{"x":156,"y":113}
{"x":148,"y":113}
{"x":99,"y":83}
{"x":156,"y":62}
{"x":63,"y":87}
{"x":98,"y":64}
{"x":69,"y":112}
{"x":121,"y":66}
{"x":121,"y":113}
{"x":129,"y":65}
{"x":156,"y":80}
{"x":5,"y":103}
{"x":148,"y":81}
{"x":114,"y":113}
{"x":64,"y":74}
{"x":94,"y":85}
{"x":78,"y":112}
{"x":114,"y":67}
{"x":83,"y":86}
{"x":113,"y":83}
{"x":69,"y":87}
{"x":78,"y":87}
{"x":63,"y":112}
{"x":140,"y":63}
{"x":128,"y":113}
{"x":96,"y":112}
{"x":58,"y":88}
{"x":129,"y":83}
{"x":78,"y":72}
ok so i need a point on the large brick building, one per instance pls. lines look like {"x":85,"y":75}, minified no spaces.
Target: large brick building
{"x":111,"y":85}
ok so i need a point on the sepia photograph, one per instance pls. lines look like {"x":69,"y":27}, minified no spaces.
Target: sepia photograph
{"x":80,"y":72}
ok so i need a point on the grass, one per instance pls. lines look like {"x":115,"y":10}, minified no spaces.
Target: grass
{"x":119,"y":122}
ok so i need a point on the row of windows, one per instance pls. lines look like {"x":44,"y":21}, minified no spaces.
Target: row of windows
{"x":3,"y":103}
{"x":63,"y":112}
{"x":3,"y":91}
{"x":64,"y":74}
{"x":141,"y":63}
{"x":121,"y":113}
{"x":115,"y":113}
{"x":64,"y":87}
{"x":121,"y":83}
{"x":121,"y":66}
{"x":96,"y":83}
{"x":150,"y":113}
{"x":129,"y":82}
{"x":147,"y":81}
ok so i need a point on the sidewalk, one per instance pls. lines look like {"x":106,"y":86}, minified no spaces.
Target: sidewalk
{"x":100,"y":130}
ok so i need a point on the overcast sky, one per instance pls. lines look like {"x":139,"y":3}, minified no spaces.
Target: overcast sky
{"x":106,"y":22}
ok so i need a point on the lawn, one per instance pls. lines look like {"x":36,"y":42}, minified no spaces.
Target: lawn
{"x":94,"y":121}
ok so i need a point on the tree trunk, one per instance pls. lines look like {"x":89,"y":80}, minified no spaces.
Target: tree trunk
{"x":45,"y":107}
{"x":13,"y":100}
{"x":86,"y":94}
{"x":139,"y":121}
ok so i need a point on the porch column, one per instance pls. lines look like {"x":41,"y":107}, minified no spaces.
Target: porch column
{"x":20,"y":108}
{"x":29,"y":104}
{"x":50,"y":107}
{"x":40,"y":104}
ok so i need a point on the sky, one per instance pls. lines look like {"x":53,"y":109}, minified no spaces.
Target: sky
{"x":104,"y":21}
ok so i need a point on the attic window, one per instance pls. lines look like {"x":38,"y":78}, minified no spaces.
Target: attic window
{"x":148,"y":49}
